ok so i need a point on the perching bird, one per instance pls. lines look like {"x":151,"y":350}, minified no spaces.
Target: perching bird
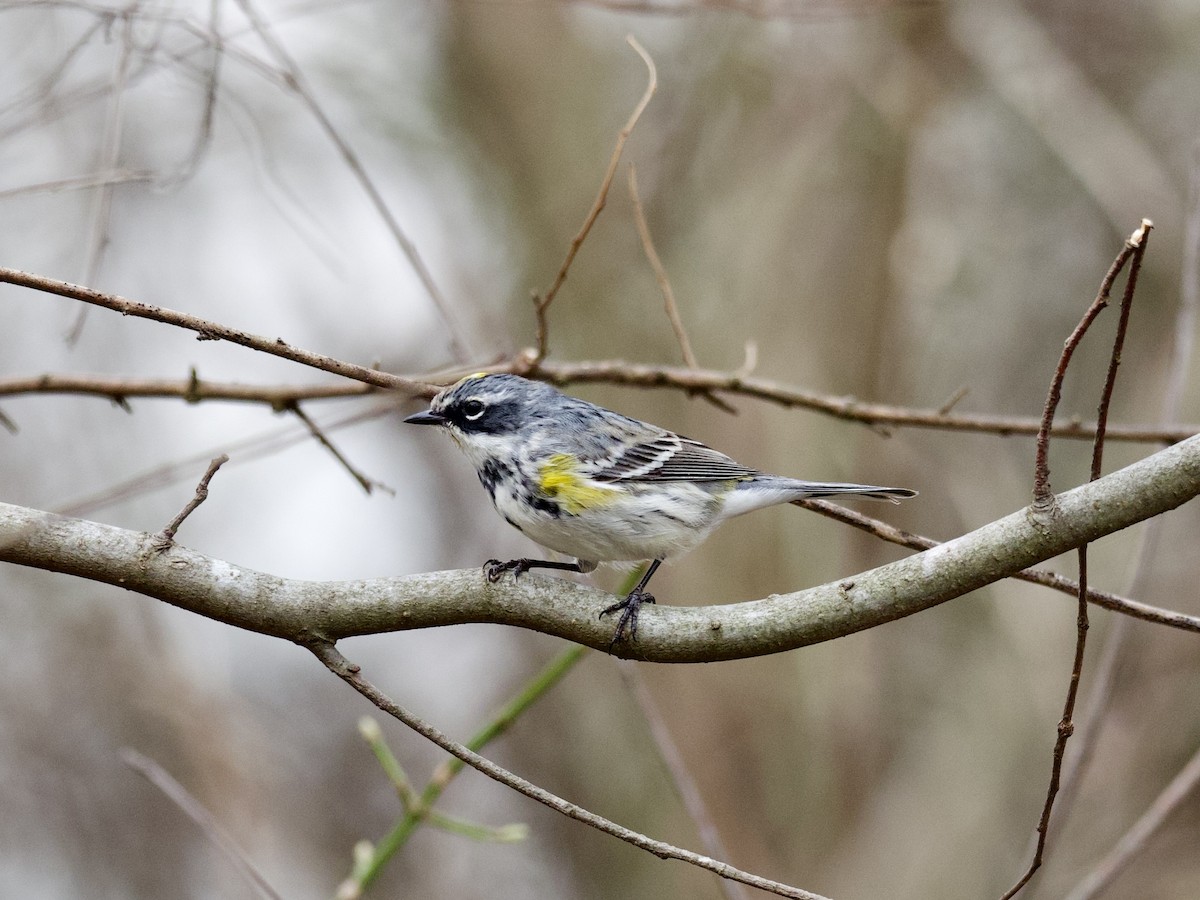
{"x":599,"y":486}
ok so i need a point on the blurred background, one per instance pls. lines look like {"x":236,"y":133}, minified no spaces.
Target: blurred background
{"x":893,"y":201}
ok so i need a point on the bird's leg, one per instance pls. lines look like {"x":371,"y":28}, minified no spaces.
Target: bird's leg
{"x":630,"y":607}
{"x":494,"y":568}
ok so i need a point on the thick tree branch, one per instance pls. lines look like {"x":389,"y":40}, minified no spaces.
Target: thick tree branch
{"x":1104,"y":599}
{"x":304,"y":611}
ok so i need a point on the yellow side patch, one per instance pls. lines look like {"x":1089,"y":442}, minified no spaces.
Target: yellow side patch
{"x":558,"y":479}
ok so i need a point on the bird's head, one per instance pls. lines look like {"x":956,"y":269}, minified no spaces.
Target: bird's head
{"x":483,"y":406}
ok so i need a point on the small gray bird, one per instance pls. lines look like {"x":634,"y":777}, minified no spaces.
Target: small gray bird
{"x":599,"y":486}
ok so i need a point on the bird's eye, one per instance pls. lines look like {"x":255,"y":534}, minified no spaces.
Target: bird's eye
{"x":473,"y":409}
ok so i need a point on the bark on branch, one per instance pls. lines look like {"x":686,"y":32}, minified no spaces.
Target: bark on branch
{"x":305,"y":611}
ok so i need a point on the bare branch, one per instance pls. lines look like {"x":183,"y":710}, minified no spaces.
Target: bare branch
{"x":82,"y":182}
{"x":1106,"y":600}
{"x":194,"y":389}
{"x":351,"y":674}
{"x":166,"y":538}
{"x":302,"y":611}
{"x":696,"y":381}
{"x":1066,"y":725}
{"x":367,"y":484}
{"x":212,"y":83}
{"x":1043,"y":496}
{"x":1104,"y":678}
{"x":847,"y":408}
{"x":692,"y":381}
{"x":541,"y":304}
{"x":213,"y":331}
{"x":660,"y":273}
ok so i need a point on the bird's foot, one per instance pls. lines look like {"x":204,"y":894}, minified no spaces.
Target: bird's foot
{"x":494,"y":568}
{"x":629,"y":608}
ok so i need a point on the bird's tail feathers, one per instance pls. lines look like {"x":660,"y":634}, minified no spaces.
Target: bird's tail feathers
{"x":836,"y":488}
{"x":767,"y":490}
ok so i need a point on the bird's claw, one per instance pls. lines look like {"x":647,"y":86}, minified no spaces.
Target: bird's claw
{"x":493,"y":569}
{"x":629,"y":608}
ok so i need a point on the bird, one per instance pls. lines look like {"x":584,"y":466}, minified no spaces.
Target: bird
{"x":600,"y":487}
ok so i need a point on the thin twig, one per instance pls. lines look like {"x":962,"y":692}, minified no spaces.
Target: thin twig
{"x":1042,"y":492}
{"x":333,"y":660}
{"x":664,"y":285}
{"x":213,"y":331}
{"x":212,"y":84}
{"x":194,"y":809}
{"x":1087,"y":732}
{"x":691,"y":381}
{"x":194,"y":389}
{"x":697,"y":381}
{"x":1136,"y":245}
{"x":660,"y":273}
{"x":1138,"y":241}
{"x":82,"y":182}
{"x":165,"y":538}
{"x":953,"y":400}
{"x":256,"y":447}
{"x":295,"y":80}
{"x":848,"y":409}
{"x":542,"y":303}
{"x":367,"y":484}
{"x":110,"y":153}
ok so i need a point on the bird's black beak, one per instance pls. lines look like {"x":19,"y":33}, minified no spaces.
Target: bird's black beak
{"x":428,"y":417}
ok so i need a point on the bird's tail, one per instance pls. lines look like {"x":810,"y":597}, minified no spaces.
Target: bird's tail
{"x":834,"y":488}
{"x":767,"y":490}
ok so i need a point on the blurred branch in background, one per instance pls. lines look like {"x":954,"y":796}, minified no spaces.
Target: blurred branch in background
{"x":296,"y":81}
{"x":194,"y":809}
{"x":1136,"y":840}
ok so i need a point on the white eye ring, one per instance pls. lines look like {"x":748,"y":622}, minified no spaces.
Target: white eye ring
{"x":473,"y":409}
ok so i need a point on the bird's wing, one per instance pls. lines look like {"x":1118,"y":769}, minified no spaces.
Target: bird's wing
{"x":665,"y":456}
